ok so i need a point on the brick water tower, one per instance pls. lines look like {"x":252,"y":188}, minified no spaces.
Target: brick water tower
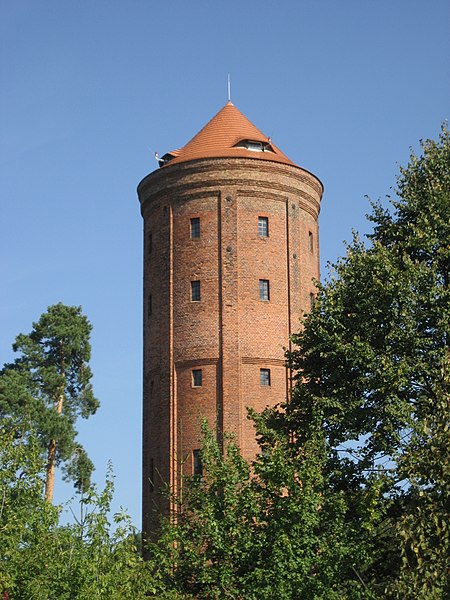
{"x":231,"y":248}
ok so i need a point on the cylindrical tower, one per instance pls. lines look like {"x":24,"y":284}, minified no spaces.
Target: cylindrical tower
{"x":231,"y":248}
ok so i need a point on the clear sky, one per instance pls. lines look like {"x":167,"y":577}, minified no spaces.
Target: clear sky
{"x":90,"y":90}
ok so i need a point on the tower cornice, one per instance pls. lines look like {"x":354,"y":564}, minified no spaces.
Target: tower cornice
{"x":205,"y":175}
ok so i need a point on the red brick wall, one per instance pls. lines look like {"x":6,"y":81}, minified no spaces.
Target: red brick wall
{"x":230,"y":334}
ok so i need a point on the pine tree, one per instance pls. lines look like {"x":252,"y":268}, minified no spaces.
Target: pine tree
{"x":48,"y":387}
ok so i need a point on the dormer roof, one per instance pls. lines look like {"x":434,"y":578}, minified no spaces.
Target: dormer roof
{"x":228,"y":134}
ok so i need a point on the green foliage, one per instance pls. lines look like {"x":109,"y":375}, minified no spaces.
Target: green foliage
{"x":88,"y":559}
{"x":212,"y":534}
{"x":48,"y":386}
{"x":91,"y":558}
{"x":261,"y":532}
{"x":25,"y":518}
{"x":374,"y":356}
{"x":41,"y":395}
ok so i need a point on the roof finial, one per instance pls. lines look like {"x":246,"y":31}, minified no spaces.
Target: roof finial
{"x":229,"y":88}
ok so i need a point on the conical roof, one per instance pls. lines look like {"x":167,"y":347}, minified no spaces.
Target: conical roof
{"x":228,"y":134}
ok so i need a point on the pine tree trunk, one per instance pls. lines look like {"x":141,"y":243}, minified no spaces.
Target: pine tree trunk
{"x":50,"y":472}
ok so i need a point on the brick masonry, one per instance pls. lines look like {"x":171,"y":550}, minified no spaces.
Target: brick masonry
{"x":230,"y":334}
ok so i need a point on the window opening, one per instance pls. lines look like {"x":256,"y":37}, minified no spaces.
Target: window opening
{"x":311,"y":242}
{"x":195,"y":227}
{"x":150,"y":305}
{"x":149,"y":243}
{"x":263,"y":227}
{"x":195,"y":291}
{"x":197,"y":460}
{"x":264,"y":292}
{"x":264,"y":377}
{"x":197,"y":378}
{"x":255,"y":145}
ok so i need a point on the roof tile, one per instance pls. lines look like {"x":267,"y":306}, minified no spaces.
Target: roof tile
{"x":219,"y":137}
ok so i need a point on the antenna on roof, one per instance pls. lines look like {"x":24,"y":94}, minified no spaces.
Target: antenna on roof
{"x":229,"y":88}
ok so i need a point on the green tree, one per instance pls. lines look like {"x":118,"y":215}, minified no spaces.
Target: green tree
{"x":374,"y":356}
{"x":48,"y":387}
{"x":265,"y":531}
{"x":25,"y":517}
{"x":97,"y":556}
{"x":90,"y":558}
{"x":205,"y":545}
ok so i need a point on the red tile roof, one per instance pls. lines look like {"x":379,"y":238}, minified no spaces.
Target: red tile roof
{"x":219,"y":137}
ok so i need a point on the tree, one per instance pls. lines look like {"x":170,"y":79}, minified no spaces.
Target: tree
{"x":373,"y":357}
{"x":264,"y":531}
{"x":25,"y":517}
{"x":88,"y":558}
{"x":48,"y":387}
{"x":39,"y":558}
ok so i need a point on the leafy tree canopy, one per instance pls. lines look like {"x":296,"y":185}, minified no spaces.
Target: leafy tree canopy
{"x":95,"y":557}
{"x":373,"y":359}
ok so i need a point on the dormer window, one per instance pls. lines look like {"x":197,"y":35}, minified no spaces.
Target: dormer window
{"x":255,"y":146}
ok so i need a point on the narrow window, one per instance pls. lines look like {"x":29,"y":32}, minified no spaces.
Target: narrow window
{"x":264,"y":293}
{"x":151,"y":479}
{"x":197,"y":378}
{"x":311,"y":242}
{"x":195,"y":227}
{"x":149,"y":243}
{"x":311,"y":300}
{"x":197,"y":460}
{"x":195,"y":291}
{"x":264,"y":377}
{"x":150,"y":305}
{"x":263,"y":227}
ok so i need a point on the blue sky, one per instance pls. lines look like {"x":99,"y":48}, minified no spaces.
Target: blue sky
{"x":90,"y":90}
